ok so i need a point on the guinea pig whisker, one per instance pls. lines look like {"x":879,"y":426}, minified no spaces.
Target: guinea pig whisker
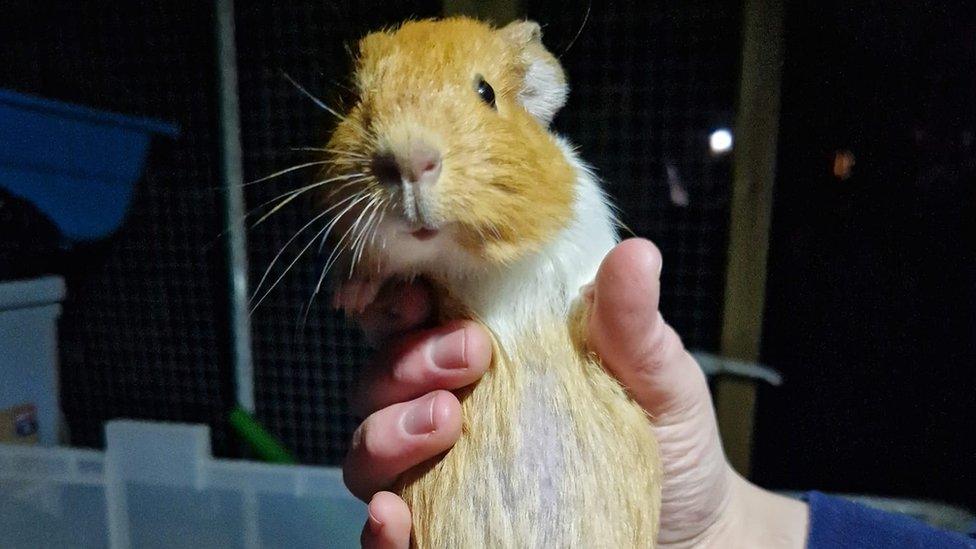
{"x":298,"y":193}
{"x":337,"y":152}
{"x":355,"y":226}
{"x":362,"y":195}
{"x":586,"y":18}
{"x":287,"y":170}
{"x":359,"y":194}
{"x":376,"y":226}
{"x":277,"y":256}
{"x":354,"y":247}
{"x":314,"y":99}
{"x":359,"y":243}
{"x":336,"y":252}
{"x":325,"y":230}
{"x":295,"y":193}
{"x":330,"y":262}
{"x":334,"y":257}
{"x":274,"y":261}
{"x":359,"y":181}
{"x":300,"y":190}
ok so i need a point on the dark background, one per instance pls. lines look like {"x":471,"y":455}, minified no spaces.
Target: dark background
{"x":871,"y":297}
{"x":871,"y":309}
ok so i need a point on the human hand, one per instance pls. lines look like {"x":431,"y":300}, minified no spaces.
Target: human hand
{"x":704,"y":502}
{"x":411,"y":415}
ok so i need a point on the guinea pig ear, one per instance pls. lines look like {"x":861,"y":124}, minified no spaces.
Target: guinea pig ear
{"x":544,"y":88}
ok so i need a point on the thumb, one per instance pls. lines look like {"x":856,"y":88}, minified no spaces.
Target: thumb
{"x":633,"y":340}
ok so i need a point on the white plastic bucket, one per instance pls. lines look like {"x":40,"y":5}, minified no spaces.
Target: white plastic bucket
{"x":29,"y":311}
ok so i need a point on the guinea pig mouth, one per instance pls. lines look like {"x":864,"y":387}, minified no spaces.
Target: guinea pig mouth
{"x":424,"y":233}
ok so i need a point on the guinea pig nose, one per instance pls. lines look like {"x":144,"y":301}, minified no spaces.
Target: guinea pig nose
{"x":386,"y":170}
{"x":423,"y":165}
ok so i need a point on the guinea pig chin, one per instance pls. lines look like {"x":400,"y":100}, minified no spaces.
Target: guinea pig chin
{"x":408,"y":248}
{"x":414,"y":227}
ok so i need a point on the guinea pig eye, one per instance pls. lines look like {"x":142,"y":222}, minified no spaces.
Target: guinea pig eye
{"x":485,"y":91}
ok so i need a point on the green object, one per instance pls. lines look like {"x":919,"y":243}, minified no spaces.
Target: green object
{"x":258,"y":438}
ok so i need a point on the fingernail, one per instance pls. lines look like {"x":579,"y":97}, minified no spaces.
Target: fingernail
{"x":419,"y":419}
{"x":374,"y":523}
{"x":449,"y":351}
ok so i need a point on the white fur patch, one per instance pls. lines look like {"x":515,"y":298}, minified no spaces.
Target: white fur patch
{"x":544,"y":91}
{"x":511,"y":300}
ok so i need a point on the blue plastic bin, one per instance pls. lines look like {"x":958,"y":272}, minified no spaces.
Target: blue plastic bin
{"x":77,"y":165}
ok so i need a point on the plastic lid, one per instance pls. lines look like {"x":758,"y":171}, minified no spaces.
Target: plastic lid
{"x":69,"y":110}
{"x":20,"y":294}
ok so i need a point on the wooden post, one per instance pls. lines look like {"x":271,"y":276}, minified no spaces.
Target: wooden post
{"x":499,"y":12}
{"x":756,"y":132}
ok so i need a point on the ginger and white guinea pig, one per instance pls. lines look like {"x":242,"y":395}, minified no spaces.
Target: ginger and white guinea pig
{"x":444,"y":167}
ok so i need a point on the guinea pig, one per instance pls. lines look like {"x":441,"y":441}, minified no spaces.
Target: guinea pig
{"x":445,"y":168}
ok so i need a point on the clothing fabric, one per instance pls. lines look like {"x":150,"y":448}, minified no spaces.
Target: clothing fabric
{"x":838,"y":523}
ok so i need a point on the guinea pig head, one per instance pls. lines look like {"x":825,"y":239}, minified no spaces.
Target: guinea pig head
{"x":445,"y":157}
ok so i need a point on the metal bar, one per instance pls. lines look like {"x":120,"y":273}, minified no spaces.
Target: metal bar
{"x":232,"y":175}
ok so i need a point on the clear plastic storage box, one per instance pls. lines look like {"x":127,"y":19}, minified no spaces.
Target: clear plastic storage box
{"x":157,"y":485}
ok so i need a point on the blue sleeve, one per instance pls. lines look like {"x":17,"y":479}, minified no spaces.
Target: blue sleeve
{"x":839,"y":523}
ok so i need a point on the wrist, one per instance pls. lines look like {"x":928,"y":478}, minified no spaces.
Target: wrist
{"x":753,"y":517}
{"x":765,"y":519}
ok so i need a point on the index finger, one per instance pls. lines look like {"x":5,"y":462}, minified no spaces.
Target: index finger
{"x":446,"y":357}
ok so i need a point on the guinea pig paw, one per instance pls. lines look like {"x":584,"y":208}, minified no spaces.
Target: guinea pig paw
{"x":354,"y":295}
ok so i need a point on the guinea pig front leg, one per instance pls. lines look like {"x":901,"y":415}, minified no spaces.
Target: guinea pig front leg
{"x":354,"y":294}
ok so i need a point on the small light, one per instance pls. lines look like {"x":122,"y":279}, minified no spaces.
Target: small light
{"x":843,"y":165}
{"x":720,"y":141}
{"x":679,"y":195}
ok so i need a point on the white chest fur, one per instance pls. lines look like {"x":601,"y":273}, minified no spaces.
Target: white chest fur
{"x":511,"y":301}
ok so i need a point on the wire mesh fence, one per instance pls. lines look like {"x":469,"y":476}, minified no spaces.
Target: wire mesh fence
{"x":144,"y":331}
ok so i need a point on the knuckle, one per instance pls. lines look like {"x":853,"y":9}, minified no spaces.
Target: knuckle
{"x":357,"y":444}
{"x":656,"y":347}
{"x":409,"y":362}
{"x":370,"y":447}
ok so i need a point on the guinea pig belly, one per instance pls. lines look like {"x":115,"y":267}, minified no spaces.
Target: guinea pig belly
{"x":553,"y":454}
